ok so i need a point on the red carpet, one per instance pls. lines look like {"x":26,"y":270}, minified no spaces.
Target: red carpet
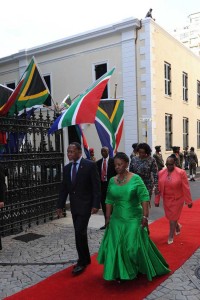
{"x":90,"y":285}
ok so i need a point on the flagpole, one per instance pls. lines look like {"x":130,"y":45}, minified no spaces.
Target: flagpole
{"x":65,"y":144}
{"x":115,"y":94}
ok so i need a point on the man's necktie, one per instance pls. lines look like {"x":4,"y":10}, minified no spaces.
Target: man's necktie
{"x":103,"y":171}
{"x":74,"y":172}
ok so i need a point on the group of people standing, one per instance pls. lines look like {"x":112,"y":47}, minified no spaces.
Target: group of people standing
{"x":126,"y":249}
{"x":191,"y":162}
{"x":123,"y":189}
{"x":170,"y":183}
{"x":187,"y":160}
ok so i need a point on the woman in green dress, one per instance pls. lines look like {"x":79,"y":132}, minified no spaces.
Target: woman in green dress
{"x":126,"y":249}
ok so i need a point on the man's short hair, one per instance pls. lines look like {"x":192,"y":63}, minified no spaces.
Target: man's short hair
{"x":77,"y":145}
{"x":157,"y":147}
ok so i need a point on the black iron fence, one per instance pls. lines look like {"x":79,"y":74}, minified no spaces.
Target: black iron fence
{"x":33,"y":162}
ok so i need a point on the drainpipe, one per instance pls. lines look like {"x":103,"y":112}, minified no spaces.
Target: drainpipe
{"x":136,"y":74}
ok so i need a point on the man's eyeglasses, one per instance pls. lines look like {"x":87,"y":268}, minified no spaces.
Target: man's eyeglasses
{"x":169,"y":164}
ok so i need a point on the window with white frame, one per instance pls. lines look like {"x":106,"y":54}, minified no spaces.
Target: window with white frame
{"x":185,"y":86}
{"x":198,"y":93}
{"x":167,"y":71}
{"x":185,"y":132}
{"x":168,"y":132}
{"x":198,"y":134}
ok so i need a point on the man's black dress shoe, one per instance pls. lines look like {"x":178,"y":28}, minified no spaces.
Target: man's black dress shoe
{"x":103,"y":227}
{"x":78,"y":264}
{"x":78,"y":269}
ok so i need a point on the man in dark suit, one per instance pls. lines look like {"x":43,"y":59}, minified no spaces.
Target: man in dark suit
{"x":82,"y":183}
{"x":106,"y":170}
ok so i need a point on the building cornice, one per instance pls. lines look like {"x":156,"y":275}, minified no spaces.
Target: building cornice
{"x":79,"y":38}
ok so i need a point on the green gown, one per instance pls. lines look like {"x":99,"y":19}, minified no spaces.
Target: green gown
{"x":126,"y":249}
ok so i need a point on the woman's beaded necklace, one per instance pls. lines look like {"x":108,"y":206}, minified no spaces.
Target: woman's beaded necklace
{"x":120,"y":181}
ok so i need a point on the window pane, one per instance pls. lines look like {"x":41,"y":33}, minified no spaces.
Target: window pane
{"x":167,"y":68}
{"x":168,"y":132}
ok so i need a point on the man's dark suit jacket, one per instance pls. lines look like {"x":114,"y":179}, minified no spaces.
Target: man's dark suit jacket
{"x":85,"y":194}
{"x":110,"y":168}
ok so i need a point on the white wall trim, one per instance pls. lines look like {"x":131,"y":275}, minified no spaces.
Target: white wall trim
{"x":129,"y":89}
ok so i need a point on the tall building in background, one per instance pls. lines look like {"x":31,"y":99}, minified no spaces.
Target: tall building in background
{"x":189,"y":34}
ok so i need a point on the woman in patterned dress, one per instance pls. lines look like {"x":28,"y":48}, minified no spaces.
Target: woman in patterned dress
{"x":145,"y":166}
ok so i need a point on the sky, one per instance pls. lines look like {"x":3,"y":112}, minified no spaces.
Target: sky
{"x":26,"y":24}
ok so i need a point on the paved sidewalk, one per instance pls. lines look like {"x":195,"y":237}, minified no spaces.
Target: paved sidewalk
{"x":24,"y":264}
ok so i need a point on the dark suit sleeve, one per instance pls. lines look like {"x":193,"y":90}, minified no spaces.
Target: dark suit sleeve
{"x":96,"y":186}
{"x":99,"y":163}
{"x":64,"y":188}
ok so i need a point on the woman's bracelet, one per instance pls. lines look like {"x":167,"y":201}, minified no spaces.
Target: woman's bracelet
{"x":144,"y":217}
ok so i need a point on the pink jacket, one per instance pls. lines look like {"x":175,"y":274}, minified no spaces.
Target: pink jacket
{"x":180,"y":185}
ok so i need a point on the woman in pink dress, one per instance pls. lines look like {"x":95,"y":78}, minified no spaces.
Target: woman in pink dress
{"x":175,"y":191}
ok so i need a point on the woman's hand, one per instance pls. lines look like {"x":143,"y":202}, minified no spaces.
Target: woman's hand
{"x":107,"y":221}
{"x":157,"y":200}
{"x":144,"y":222}
{"x":1,"y":204}
{"x":190,"y":205}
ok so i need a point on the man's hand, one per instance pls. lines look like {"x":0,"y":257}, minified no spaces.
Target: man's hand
{"x":94,"y":210}
{"x":1,"y":204}
{"x":59,"y":212}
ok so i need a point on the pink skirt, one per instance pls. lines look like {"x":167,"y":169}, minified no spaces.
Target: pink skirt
{"x":172,"y":207}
